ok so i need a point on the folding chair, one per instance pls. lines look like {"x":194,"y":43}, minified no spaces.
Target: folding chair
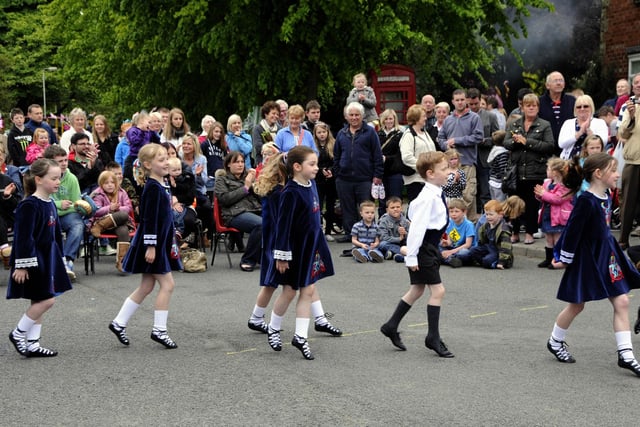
{"x":221,"y":232}
{"x":91,"y":246}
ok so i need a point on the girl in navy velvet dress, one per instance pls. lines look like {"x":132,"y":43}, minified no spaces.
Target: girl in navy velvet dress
{"x":270,"y":186}
{"x":38,"y":271}
{"x":300,"y":249}
{"x":154,"y":251}
{"x":596,"y":266}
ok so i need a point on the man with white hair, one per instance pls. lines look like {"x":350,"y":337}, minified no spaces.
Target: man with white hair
{"x":357,"y":164}
{"x":555,"y":105}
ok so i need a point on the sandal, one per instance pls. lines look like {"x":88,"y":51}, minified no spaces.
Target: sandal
{"x":529,"y":242}
{"x":246,"y":267}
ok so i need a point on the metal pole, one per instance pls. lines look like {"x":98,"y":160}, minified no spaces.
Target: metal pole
{"x":44,"y":97}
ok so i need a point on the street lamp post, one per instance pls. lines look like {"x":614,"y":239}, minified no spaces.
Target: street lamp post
{"x":44,"y":90}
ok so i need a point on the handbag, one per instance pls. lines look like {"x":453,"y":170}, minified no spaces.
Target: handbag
{"x":193,"y":260}
{"x":510,"y":178}
{"x":398,"y":164}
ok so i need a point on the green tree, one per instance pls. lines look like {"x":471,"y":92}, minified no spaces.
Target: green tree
{"x":225,"y":56}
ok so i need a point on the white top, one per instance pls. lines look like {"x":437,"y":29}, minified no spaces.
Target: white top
{"x":567,"y":137}
{"x":423,"y":144}
{"x":65,"y":139}
{"x":426,"y":212}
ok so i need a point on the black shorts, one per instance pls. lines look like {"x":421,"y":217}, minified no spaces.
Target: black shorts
{"x":429,"y":260}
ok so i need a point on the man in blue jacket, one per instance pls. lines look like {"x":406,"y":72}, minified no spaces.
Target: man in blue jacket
{"x":357,"y":164}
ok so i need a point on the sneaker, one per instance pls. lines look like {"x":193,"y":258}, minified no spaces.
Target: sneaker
{"x":107,"y":250}
{"x":636,"y":232}
{"x":329,"y":238}
{"x":274,"y":339}
{"x":455,"y":262}
{"x":375,"y":191}
{"x":163,"y":338}
{"x":398,"y":258}
{"x":68,"y":265}
{"x":258,"y":325}
{"x":375,"y":256}
{"x":344,"y":239}
{"x":328,"y":328}
{"x":358,"y":256}
{"x":561,"y":352}
{"x":538,"y":235}
{"x":303,"y":345}
{"x":388,"y":255}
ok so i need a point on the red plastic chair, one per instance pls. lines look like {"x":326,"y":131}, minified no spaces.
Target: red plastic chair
{"x":221,"y":232}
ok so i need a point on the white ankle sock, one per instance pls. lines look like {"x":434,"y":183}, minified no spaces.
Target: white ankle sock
{"x":558,"y":334}
{"x":623,"y":339}
{"x":126,"y":311}
{"x":318,"y":313}
{"x":25,"y":323}
{"x":160,"y":319}
{"x":302,"y":327}
{"x":258,"y":313}
{"x":33,"y":337}
{"x":276,"y":322}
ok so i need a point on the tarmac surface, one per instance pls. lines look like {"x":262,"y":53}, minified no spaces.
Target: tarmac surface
{"x":495,"y":322}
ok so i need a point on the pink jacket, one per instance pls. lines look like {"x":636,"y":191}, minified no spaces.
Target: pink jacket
{"x":102,"y":201}
{"x":34,"y":152}
{"x":561,"y":205}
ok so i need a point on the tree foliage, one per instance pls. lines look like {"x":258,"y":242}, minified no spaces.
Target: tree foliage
{"x":224,"y":56}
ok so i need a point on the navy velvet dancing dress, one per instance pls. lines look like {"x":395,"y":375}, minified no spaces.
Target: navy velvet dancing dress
{"x":269,"y":275}
{"x":155,"y":229}
{"x":597,"y":267}
{"x":37,"y":243}
{"x":299,"y":238}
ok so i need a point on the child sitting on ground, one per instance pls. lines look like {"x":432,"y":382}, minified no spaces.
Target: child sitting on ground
{"x":457,"y":180}
{"x":364,"y":235}
{"x":494,"y":248}
{"x":393,"y":227}
{"x":460,"y":235}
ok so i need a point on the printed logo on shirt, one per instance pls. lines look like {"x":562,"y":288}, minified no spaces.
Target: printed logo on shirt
{"x":316,"y":206}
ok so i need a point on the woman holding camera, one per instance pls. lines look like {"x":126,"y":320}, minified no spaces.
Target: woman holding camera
{"x":575,"y":131}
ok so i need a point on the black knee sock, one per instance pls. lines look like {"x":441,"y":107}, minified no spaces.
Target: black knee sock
{"x":433,"y":320}
{"x":401,"y":309}
{"x":548,"y":254}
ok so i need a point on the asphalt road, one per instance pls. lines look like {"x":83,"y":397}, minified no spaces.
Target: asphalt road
{"x":496,"y":323}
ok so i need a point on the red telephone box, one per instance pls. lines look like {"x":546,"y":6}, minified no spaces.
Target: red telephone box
{"x":395,"y":88}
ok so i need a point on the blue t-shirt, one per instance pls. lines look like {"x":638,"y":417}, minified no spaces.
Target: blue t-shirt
{"x":458,"y":233}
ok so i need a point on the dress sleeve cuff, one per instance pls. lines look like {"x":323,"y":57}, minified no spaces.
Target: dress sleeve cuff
{"x":26,"y":262}
{"x":282,"y":255}
{"x":566,"y":257}
{"x":150,"y":239}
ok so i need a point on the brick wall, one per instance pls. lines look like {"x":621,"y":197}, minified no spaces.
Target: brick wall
{"x":620,"y":19}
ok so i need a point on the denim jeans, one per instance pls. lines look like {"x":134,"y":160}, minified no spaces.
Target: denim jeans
{"x":365,"y":252}
{"x":485,"y":255}
{"x":351,"y":194}
{"x":73,"y":225}
{"x":462,"y":254}
{"x":386,"y":246}
{"x":251,"y":223}
{"x":393,"y":185}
